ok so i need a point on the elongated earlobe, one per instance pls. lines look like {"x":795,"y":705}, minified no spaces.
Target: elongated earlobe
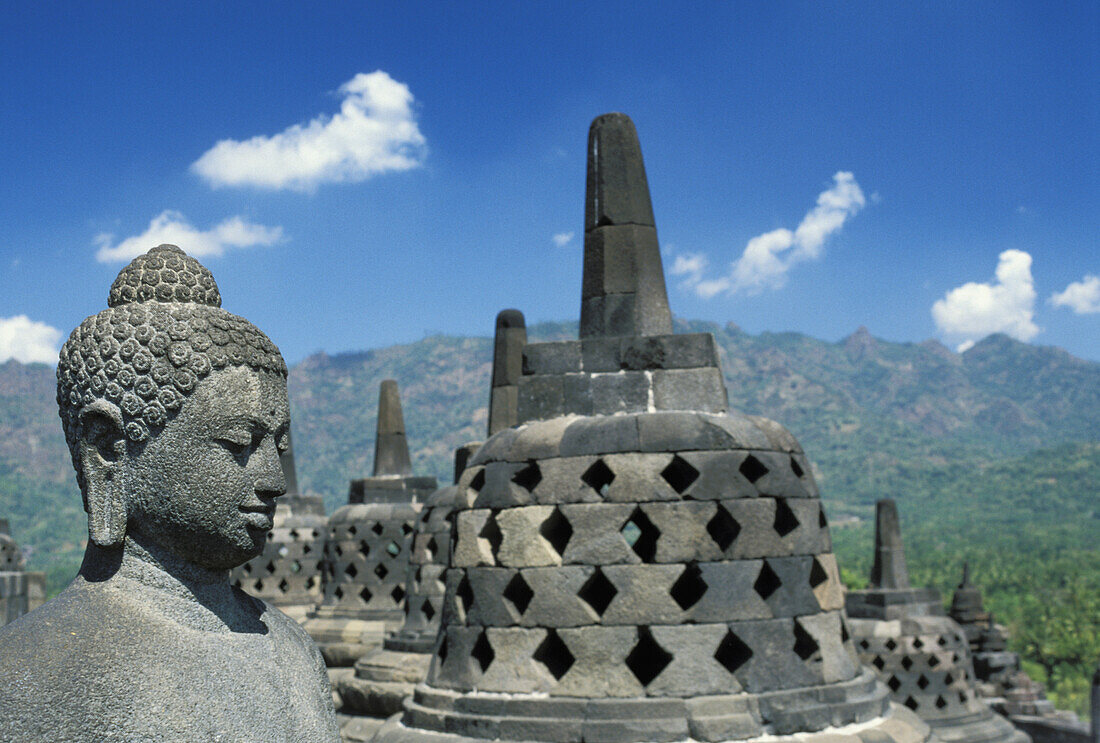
{"x":102,"y":446}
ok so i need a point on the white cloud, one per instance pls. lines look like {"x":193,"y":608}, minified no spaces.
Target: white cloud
{"x":1083,"y":297}
{"x":768,"y":257}
{"x":27,"y":340}
{"x":171,"y":227}
{"x":562,"y":239}
{"x":374,"y":132}
{"x":1007,"y":305}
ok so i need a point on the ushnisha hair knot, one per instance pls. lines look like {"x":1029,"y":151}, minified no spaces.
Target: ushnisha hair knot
{"x":163,"y":331}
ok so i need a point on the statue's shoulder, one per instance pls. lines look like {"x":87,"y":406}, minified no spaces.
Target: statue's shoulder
{"x":287,"y":630}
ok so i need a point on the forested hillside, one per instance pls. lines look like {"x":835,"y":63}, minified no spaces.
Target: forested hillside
{"x":991,"y":454}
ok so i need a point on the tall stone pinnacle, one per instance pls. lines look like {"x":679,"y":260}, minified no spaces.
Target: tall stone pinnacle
{"x":391,"y":449}
{"x":623,"y":289}
{"x":511,"y":337}
{"x":889,"y":569}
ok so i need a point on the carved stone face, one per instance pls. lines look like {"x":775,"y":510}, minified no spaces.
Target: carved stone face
{"x":205,"y":486}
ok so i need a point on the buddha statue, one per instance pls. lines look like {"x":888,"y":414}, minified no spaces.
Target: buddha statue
{"x":175,"y":412}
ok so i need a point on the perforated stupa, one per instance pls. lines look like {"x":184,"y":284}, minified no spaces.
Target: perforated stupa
{"x":635,"y":562}
{"x":921,"y":655}
{"x":368,"y":545}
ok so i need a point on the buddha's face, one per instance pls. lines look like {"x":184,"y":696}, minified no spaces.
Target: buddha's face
{"x":204,"y":487}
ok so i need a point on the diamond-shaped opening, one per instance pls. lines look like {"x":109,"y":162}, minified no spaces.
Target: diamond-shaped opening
{"x":641,"y":534}
{"x":805,"y":646}
{"x":381,"y":571}
{"x":941,"y":641}
{"x":248,"y":568}
{"x":598,"y":592}
{"x":948,"y":679}
{"x":918,"y":643}
{"x":907,"y":663}
{"x":962,"y":697}
{"x":519,"y":593}
{"x":366,"y":595}
{"x":922,"y":681}
{"x":306,"y":549}
{"x":933,"y":661}
{"x":822,"y":522}
{"x":689,"y":587}
{"x":647,"y":659}
{"x":406,"y":528}
{"x":338,"y":550}
{"x":293,"y":533}
{"x":377,"y":528}
{"x":767,"y":582}
{"x":817,"y":574}
{"x":911,"y":703}
{"x":891,"y":645}
{"x":555,"y":655}
{"x":270,"y":567}
{"x":483,"y":653}
{"x":878,"y":662}
{"x":556,"y":530}
{"x":732,"y":652}
{"x":283,"y":586}
{"x":465,"y":594}
{"x":940,"y":702}
{"x":598,"y":477}
{"x":785,"y":520}
{"x":679,"y":474}
{"x":397,"y":594}
{"x":864,"y":645}
{"x":339,"y":592}
{"x":723,"y":528}
{"x":393,"y":548}
{"x":310,"y":582}
{"x":351,"y":571}
{"x":259,"y":585}
{"x":433,"y":548}
{"x":955,"y":658}
{"x":295,"y":566}
{"x":477,"y":482}
{"x":427,"y":610}
{"x":352,"y":531}
{"x":236,"y":584}
{"x":894,"y":684}
{"x":364,"y":548}
{"x":491,"y":532}
{"x":796,"y":468}
{"x":442,"y":652}
{"x":528,"y":477}
{"x":753,"y":469}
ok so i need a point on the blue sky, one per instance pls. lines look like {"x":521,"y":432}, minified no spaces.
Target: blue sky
{"x":389,"y":170}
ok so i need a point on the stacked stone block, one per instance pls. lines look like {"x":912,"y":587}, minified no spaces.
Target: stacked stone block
{"x":21,"y":590}
{"x":921,"y":655}
{"x":287,"y":574}
{"x":508,"y":343}
{"x":631,"y":561}
{"x":366,"y":553}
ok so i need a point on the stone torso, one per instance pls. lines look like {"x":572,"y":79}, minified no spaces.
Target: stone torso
{"x":104,"y":663}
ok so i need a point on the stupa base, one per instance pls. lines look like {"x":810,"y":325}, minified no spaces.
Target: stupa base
{"x":853,"y":712}
{"x":342,"y":641}
{"x":383,"y":680}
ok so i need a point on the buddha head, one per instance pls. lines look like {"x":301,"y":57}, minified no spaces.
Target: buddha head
{"x":175,"y":412}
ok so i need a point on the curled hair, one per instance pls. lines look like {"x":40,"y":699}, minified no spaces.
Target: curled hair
{"x":161,"y":334}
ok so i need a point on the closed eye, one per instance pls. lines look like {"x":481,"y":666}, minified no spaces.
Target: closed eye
{"x":235,"y":446}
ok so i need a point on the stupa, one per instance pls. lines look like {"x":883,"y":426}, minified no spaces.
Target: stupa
{"x":20,"y":590}
{"x":287,"y":574}
{"x":368,"y":545}
{"x":632,"y":561}
{"x":385,"y":677}
{"x":922,"y":655}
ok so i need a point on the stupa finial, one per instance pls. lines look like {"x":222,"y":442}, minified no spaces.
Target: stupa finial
{"x":511,"y":337}
{"x":391,"y":449}
{"x":623,"y":289}
{"x":889,"y":570}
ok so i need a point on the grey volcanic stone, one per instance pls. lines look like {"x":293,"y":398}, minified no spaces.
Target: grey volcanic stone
{"x":176,"y":447}
{"x":391,"y":449}
{"x":889,"y":569}
{"x":511,"y":337}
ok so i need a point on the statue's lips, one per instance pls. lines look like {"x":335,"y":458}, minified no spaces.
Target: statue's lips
{"x":261,"y":517}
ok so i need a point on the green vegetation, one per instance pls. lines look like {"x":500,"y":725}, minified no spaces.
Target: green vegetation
{"x":981,"y":450}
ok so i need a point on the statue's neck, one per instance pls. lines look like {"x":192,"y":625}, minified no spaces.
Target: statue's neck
{"x":183,"y":591}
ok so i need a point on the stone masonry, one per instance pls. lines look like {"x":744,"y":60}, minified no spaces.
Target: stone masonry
{"x":920,"y":654}
{"x":21,"y":590}
{"x":368,"y":545}
{"x":633,"y":562}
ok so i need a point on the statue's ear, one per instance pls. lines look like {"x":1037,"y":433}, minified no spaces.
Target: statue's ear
{"x":102,"y":449}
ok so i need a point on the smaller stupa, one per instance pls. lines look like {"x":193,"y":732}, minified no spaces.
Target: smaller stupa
{"x":287,"y":574}
{"x":921,"y":655}
{"x":14,"y":599}
{"x":368,"y":545}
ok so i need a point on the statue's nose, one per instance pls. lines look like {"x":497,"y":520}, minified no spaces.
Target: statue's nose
{"x":270,"y":481}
